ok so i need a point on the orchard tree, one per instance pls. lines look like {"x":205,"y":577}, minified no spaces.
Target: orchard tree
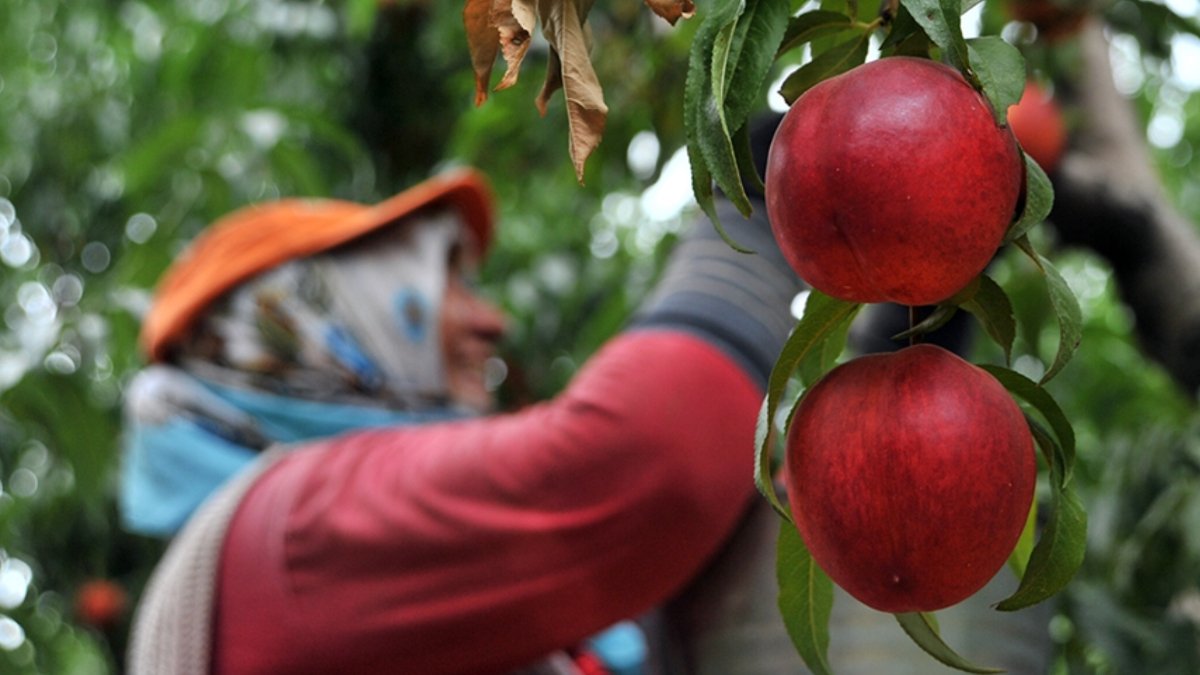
{"x":129,"y":125}
{"x":887,"y":186}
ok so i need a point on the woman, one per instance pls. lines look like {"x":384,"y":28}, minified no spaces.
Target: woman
{"x":321,"y":367}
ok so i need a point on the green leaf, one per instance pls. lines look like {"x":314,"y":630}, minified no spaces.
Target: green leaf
{"x":1059,"y":551}
{"x":759,"y":32}
{"x":985,"y":300}
{"x":731,"y":56}
{"x":697,"y":99}
{"x":1039,"y":199}
{"x":942,"y":22}
{"x":716,"y":143}
{"x":823,"y":316}
{"x":825,"y":356}
{"x":1035,"y":395}
{"x":905,"y":37}
{"x":835,"y":61}
{"x":743,"y":152}
{"x":1001,"y":72}
{"x":991,"y":306}
{"x":922,"y":628}
{"x":1050,"y":448}
{"x":810,"y":26}
{"x":1066,"y":309}
{"x":936,"y":319}
{"x":805,"y":599}
{"x":702,"y":189}
{"x":1018,"y":560}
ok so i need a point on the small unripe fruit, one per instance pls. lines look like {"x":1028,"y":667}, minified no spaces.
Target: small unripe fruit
{"x":1037,"y":122}
{"x":892,"y":183}
{"x":101,"y":603}
{"x":910,"y":476}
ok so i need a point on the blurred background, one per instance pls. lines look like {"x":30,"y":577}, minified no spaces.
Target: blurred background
{"x":126,"y":126}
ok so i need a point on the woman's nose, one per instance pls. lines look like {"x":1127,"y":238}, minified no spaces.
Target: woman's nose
{"x":488,"y":319}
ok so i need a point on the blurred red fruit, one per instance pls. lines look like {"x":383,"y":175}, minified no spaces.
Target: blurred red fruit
{"x":101,"y":603}
{"x":1037,"y":122}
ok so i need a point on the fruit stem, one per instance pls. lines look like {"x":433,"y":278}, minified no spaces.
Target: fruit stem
{"x":912,"y":322}
{"x":877,"y":22}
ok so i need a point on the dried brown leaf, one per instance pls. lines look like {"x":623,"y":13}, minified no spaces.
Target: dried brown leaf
{"x":563,"y":26}
{"x":672,"y":10}
{"x":483,"y":41}
{"x":514,"y":21}
{"x":551,"y":84}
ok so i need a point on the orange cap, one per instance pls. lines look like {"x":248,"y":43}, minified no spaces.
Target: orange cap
{"x":259,"y":237}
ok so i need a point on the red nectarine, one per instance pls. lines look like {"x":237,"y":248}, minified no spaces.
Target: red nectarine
{"x":892,"y":182}
{"x":910,"y":476}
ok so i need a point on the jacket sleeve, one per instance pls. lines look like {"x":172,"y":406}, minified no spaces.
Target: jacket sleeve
{"x":478,"y":546}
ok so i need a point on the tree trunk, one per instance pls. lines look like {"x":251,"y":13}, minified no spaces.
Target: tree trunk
{"x":1109,"y":198}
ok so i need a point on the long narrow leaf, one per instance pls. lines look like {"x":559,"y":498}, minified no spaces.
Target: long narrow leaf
{"x":760,"y":29}
{"x":1066,"y":309}
{"x":810,"y":26}
{"x":922,"y":628}
{"x":837,"y":60}
{"x":1001,"y":71}
{"x":905,"y":37}
{"x":697,"y":95}
{"x":942,"y":22}
{"x":1050,"y":448}
{"x":743,"y":151}
{"x":1018,"y":560}
{"x":991,"y":306}
{"x":1039,"y":199}
{"x":1041,"y":400}
{"x":714,"y":136}
{"x":936,"y":319}
{"x":823,"y":316}
{"x":1059,"y":551}
{"x":805,"y":599}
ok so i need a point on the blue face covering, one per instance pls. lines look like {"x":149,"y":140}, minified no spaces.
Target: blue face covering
{"x":171,"y":467}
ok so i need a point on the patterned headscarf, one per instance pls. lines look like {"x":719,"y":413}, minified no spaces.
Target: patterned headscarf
{"x":357,"y":324}
{"x":317,"y":346}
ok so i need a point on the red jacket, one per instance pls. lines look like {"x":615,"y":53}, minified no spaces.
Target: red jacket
{"x":477,"y":547}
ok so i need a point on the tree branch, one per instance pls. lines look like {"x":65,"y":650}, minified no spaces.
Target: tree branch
{"x":1109,"y":198}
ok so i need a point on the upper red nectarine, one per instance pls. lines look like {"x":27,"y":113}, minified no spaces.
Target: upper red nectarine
{"x":892,"y":182}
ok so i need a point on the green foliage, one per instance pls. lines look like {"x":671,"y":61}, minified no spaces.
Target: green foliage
{"x":824,"y":317}
{"x":1001,"y":72}
{"x":129,"y":126}
{"x":1134,"y":605}
{"x":1133,"y":431}
{"x":805,"y":599}
{"x":941,"y":21}
{"x":993,"y":308}
{"x":1039,"y":200}
{"x":716,"y":104}
{"x":922,"y":628}
{"x":841,"y":58}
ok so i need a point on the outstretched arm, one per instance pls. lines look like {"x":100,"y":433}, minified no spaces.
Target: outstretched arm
{"x":477,"y":547}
